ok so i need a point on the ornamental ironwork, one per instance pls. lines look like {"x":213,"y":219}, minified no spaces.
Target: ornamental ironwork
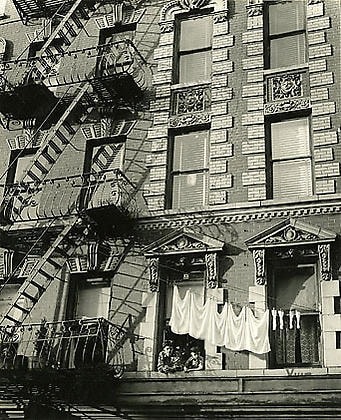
{"x":286,"y":86}
{"x":69,"y":344}
{"x":190,"y":100}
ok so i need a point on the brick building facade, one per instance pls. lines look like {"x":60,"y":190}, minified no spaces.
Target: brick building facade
{"x":153,"y":146}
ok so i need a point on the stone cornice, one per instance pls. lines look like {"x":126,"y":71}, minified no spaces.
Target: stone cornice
{"x":243,"y":212}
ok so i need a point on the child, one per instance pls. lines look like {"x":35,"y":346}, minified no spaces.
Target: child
{"x":165,"y":363}
{"x":195,"y":361}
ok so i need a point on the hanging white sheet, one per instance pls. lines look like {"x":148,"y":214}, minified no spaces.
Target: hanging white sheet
{"x":239,"y":332}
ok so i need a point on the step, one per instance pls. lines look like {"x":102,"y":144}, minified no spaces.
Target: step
{"x":70,"y":29}
{"x":41,"y":167}
{"x":62,"y":137}
{"x":40,"y":287}
{"x":46,"y":274}
{"x":50,"y":159}
{"x":55,"y":147}
{"x":30,"y":297}
{"x":33,"y":176}
{"x":16,"y":305}
{"x":54,"y":263}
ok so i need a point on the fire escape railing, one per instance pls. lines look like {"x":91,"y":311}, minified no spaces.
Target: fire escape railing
{"x":72,"y":344}
{"x":67,"y":196}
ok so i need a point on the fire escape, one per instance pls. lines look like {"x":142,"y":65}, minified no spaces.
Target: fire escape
{"x":27,"y":96}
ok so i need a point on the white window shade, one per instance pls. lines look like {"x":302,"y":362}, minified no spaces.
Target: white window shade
{"x":195,"y":67}
{"x":190,"y":151}
{"x":195,"y":34}
{"x":287,"y":51}
{"x":292,"y":178}
{"x":23,"y":164}
{"x":290,"y":139}
{"x":286,"y":17}
{"x":189,"y":190}
{"x":93,"y":302}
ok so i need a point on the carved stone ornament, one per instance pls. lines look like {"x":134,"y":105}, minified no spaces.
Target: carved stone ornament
{"x":286,"y":86}
{"x":194,"y":99}
{"x":181,"y":244}
{"x":285,"y":253}
{"x":290,"y":234}
{"x":254,"y":9}
{"x":259,"y":262}
{"x":193,"y":4}
{"x":166,"y":27}
{"x":173,"y":7}
{"x":211,"y":270}
{"x":154,"y":274}
{"x":324,"y":257}
{"x":3,"y":46}
{"x":220,"y":17}
{"x":286,"y":106}
{"x":189,"y":119}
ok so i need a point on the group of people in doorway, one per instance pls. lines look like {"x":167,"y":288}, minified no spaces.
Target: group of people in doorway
{"x":173,"y":360}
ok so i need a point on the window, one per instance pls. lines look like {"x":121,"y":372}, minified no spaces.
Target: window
{"x":291,"y":158}
{"x":20,"y":160}
{"x":116,"y":34}
{"x":294,"y":290}
{"x":194,"y":50}
{"x":189,"y":173}
{"x":286,"y":43}
{"x":187,"y":273}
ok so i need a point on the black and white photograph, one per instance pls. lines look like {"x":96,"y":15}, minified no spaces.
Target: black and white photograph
{"x":170,"y":209}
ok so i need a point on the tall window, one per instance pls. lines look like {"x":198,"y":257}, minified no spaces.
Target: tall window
{"x":286,"y":34}
{"x":291,"y":159}
{"x":194,"y":50}
{"x":20,"y":160}
{"x":190,"y":169}
{"x":294,"y":290}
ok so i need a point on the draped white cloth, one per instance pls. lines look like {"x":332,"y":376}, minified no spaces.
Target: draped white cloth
{"x":239,"y":332}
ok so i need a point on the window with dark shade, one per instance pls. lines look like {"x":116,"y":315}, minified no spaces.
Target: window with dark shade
{"x":287,"y":39}
{"x":291,"y":158}
{"x":189,"y":169}
{"x":194,"y":49}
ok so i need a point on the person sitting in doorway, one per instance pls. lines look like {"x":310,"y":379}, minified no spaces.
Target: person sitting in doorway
{"x":195,"y":361}
{"x":166,"y":359}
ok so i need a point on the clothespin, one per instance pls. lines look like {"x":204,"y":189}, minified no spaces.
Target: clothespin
{"x":298,"y":318}
{"x":281,"y":318}
{"x":291,"y":319}
{"x":274,"y":319}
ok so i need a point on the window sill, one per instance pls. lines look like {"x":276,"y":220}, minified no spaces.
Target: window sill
{"x":190,"y":85}
{"x":242,"y":373}
{"x":304,"y":66}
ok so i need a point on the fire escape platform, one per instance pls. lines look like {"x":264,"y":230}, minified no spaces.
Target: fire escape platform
{"x":29,"y":9}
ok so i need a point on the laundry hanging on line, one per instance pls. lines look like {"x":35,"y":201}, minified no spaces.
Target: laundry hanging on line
{"x":239,"y":332}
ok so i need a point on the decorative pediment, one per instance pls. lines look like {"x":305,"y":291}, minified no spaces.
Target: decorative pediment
{"x":290,"y":232}
{"x":181,"y":242}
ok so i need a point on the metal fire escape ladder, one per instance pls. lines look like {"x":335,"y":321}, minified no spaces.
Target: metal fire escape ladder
{"x":49,"y":152}
{"x":45,"y":271}
{"x":68,"y":29}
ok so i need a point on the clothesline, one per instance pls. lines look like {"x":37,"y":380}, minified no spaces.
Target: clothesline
{"x":239,"y":332}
